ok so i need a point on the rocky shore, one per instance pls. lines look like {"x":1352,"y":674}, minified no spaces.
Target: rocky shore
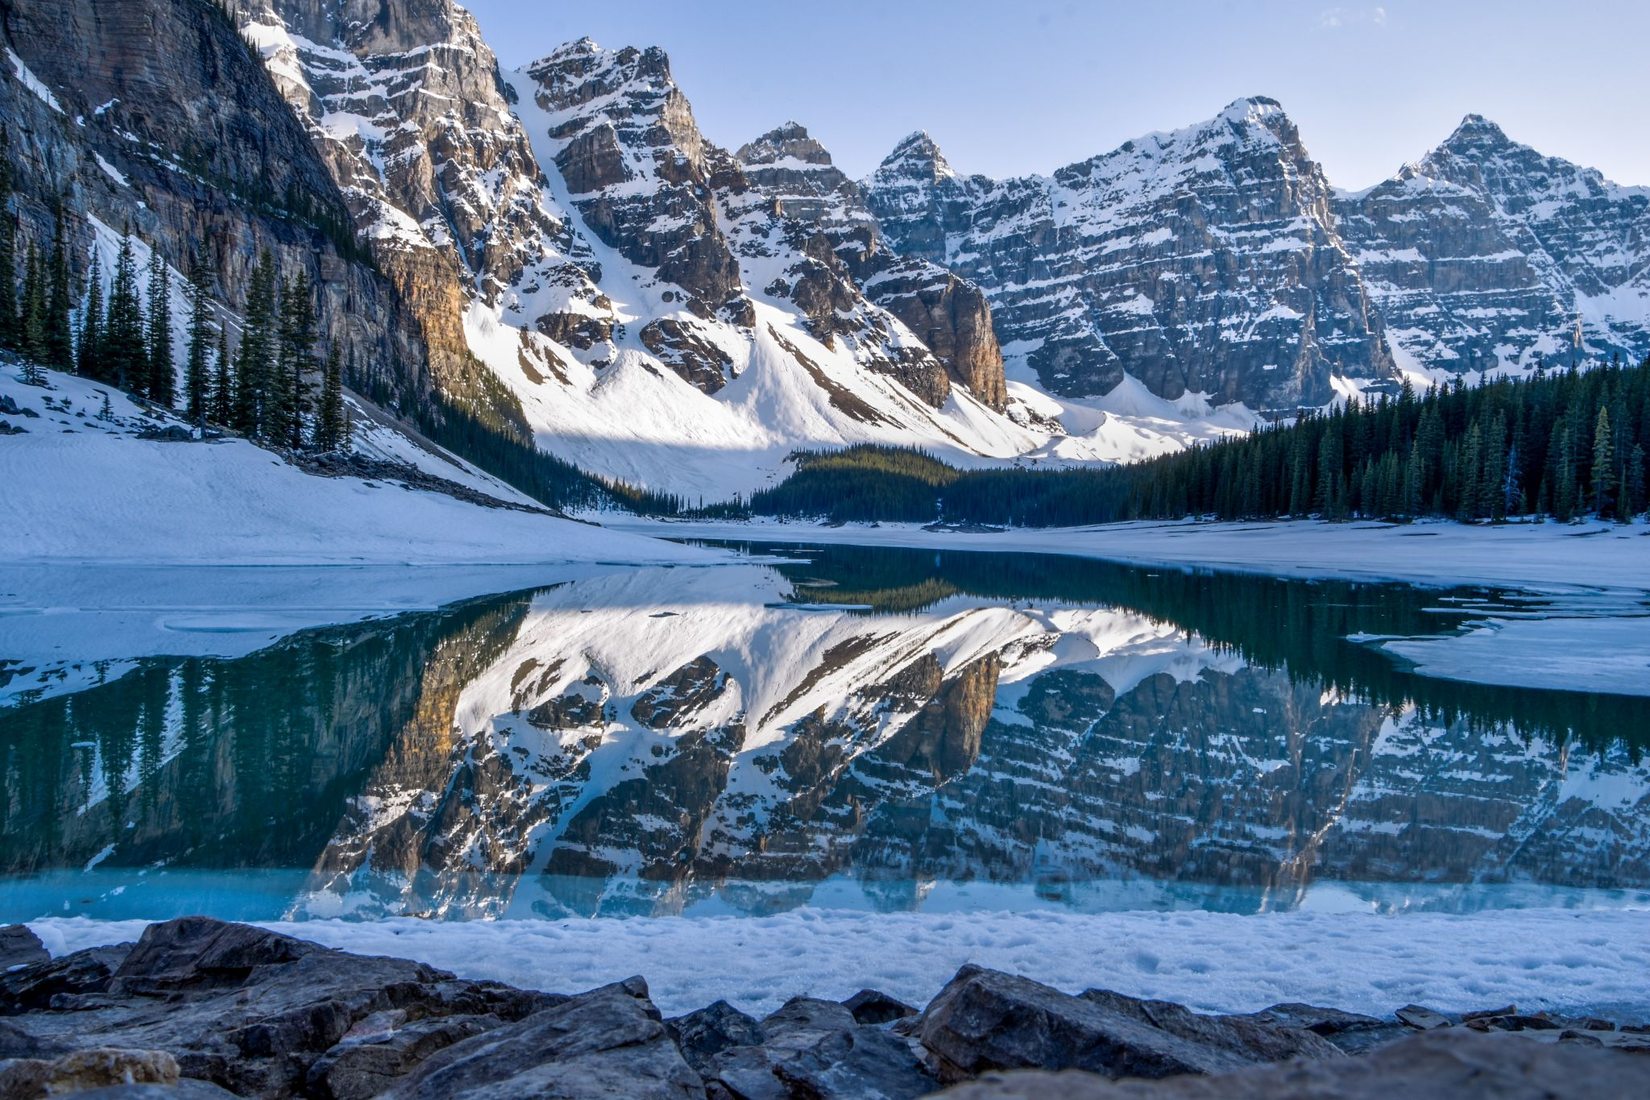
{"x":199,"y":1008}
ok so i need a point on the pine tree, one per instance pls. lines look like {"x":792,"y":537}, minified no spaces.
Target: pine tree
{"x":1634,"y":499}
{"x":126,"y":360}
{"x":223,"y":386}
{"x":1604,"y":464}
{"x":89,"y":347}
{"x":1565,"y":489}
{"x":255,"y":361}
{"x":289,"y":391}
{"x":9,"y":331}
{"x":331,"y":427}
{"x":197,"y":378}
{"x":163,"y":378}
{"x":59,"y":301}
{"x":1470,"y":469}
{"x":32,"y":342}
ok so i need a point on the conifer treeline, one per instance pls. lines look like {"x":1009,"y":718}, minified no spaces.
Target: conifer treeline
{"x":124,"y":339}
{"x":1561,"y":444}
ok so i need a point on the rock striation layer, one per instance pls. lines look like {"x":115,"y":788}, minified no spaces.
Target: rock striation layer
{"x":1206,"y":260}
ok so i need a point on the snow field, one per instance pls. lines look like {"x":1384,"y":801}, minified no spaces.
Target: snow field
{"x":1593,"y":960}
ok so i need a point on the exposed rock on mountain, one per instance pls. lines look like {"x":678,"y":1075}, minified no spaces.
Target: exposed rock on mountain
{"x":151,"y":115}
{"x":1486,"y":254}
{"x":404,"y":103}
{"x":1204,"y":260}
{"x":949,"y":315}
{"x":636,"y":165}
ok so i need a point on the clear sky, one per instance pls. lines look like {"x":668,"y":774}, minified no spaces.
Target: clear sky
{"x":1030,"y":85}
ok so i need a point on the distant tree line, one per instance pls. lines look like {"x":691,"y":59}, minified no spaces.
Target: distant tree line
{"x":1562,"y":444}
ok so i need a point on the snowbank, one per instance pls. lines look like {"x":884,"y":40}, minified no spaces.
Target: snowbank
{"x":80,"y":486}
{"x":1590,"y":960}
{"x":1552,"y":557}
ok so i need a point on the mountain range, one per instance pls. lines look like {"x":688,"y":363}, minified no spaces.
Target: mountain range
{"x":560,"y":253}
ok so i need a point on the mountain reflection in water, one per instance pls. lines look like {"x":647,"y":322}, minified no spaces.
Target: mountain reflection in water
{"x":860,"y":727}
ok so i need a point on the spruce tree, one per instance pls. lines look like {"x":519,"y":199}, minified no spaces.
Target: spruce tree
{"x":331,"y":428}
{"x":89,"y":347}
{"x":289,"y":391}
{"x":255,"y":361}
{"x":59,"y":300}
{"x":1604,"y":464}
{"x":197,"y":376}
{"x":32,"y":339}
{"x":8,"y":250}
{"x":125,"y":359}
{"x":162,"y":386}
{"x":222,"y":412}
{"x":1634,"y":498}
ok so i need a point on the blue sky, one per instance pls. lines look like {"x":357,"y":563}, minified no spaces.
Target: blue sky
{"x":1028,"y":86}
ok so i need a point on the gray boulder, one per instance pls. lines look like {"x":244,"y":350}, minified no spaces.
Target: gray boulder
{"x":702,"y":1035}
{"x":986,"y":1020}
{"x":251,"y":1010}
{"x":816,"y":1049}
{"x":1249,"y":1037}
{"x":19,"y":946}
{"x":1448,"y":1064}
{"x":872,"y":1007}
{"x":609,"y":1042}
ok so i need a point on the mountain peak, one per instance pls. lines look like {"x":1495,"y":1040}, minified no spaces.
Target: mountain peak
{"x":1252,"y":106}
{"x":1257,"y":110}
{"x":916,"y":156}
{"x":787,"y":140}
{"x":1476,"y":130}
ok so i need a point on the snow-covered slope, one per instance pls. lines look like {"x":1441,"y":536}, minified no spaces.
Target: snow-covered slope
{"x":570,"y":227}
{"x":85,"y":485}
{"x":1487,"y":256}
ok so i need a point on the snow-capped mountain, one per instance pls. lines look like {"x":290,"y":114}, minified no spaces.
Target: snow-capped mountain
{"x":1205,"y":261}
{"x":794,"y":173}
{"x":560,"y":254}
{"x":1487,"y":255}
{"x":618,"y":272}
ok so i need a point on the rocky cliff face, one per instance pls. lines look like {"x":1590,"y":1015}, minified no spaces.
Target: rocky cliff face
{"x":1204,"y":260}
{"x":152,"y":115}
{"x":951,"y":316}
{"x":1486,"y":254}
{"x":404,"y":103}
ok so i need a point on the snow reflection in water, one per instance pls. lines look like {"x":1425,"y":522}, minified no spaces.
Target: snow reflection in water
{"x":881,"y":729}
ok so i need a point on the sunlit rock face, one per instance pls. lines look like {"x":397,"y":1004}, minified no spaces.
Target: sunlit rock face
{"x":1206,"y":260}
{"x":1487,"y":255}
{"x":404,"y":102}
{"x":793,"y":172}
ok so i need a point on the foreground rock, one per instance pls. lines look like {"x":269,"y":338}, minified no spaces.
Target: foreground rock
{"x":1440,"y":1065}
{"x":985,"y":1020}
{"x":200,"y":1008}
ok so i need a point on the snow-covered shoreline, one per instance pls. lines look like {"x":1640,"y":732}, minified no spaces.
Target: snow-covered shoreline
{"x":1586,"y":960}
{"x":1547,"y":557}
{"x":1595,"y":636}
